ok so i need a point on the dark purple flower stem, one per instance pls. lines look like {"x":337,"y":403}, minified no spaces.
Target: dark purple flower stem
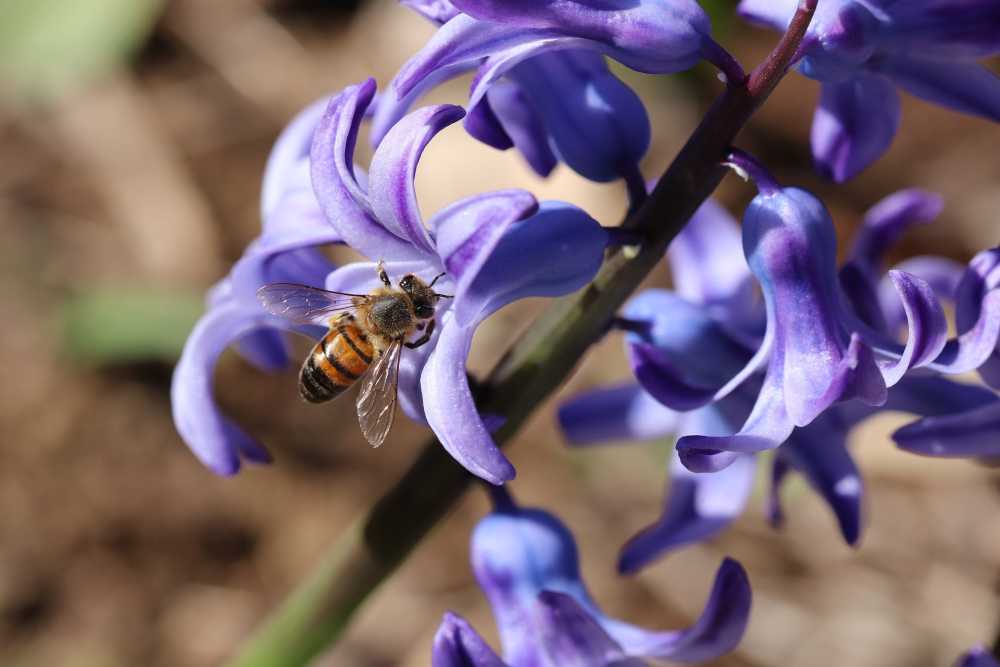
{"x":724,"y":61}
{"x":635,"y":184}
{"x":747,"y":166}
{"x":364,"y":556}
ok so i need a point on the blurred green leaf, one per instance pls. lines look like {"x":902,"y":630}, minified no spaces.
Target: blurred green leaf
{"x":50,"y":46}
{"x":124,"y":325}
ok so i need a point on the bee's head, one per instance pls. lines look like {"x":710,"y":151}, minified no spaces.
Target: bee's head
{"x":422,"y":295}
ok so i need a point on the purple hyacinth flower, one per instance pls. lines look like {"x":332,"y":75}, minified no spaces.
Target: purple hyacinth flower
{"x":863,"y":51}
{"x":493,"y":248}
{"x":713,"y":316}
{"x":817,"y":350}
{"x":526,"y":563}
{"x":977,"y":657}
{"x":542,"y":83}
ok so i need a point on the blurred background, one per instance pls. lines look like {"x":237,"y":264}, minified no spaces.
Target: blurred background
{"x":133,"y":137}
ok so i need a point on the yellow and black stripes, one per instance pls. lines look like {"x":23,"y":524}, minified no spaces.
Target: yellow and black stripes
{"x":335,"y":363}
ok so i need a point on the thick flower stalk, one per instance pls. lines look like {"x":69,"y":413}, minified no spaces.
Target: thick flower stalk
{"x":862,"y":51}
{"x":542,"y":83}
{"x":705,"y":332}
{"x":526,"y":563}
{"x":488,"y":250}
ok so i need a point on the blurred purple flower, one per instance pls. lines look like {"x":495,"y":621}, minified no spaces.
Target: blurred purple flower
{"x":977,"y":657}
{"x":493,"y":248}
{"x":527,"y":565}
{"x":863,"y":50}
{"x":542,"y":83}
{"x":685,"y":345}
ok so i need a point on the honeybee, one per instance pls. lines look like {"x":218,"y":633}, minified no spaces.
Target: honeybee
{"x":367,"y":333}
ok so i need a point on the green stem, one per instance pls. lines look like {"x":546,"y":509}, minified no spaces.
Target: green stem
{"x":316,"y":614}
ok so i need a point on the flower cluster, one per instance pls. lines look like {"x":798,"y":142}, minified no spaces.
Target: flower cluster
{"x":731,"y":375}
{"x":763,"y":344}
{"x":862,"y":51}
{"x":526,"y":563}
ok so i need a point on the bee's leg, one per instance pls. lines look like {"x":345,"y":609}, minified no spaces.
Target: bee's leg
{"x":428,"y":332}
{"x":382,"y":275}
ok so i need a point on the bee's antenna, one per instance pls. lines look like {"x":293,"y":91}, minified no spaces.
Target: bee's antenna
{"x":444,"y":296}
{"x":437,"y":278}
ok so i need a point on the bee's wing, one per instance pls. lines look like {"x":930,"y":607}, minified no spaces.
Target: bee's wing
{"x":304,"y":304}
{"x":377,"y":399}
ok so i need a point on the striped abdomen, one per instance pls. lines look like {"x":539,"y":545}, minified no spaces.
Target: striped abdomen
{"x":343,"y":356}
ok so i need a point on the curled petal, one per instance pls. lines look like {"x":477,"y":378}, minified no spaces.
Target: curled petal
{"x":597,"y":124}
{"x":766,"y":428}
{"x":962,"y":86}
{"x":457,"y":644}
{"x":854,"y":125}
{"x":215,"y":439}
{"x":886,"y":221}
{"x":716,"y":632}
{"x":389,"y":108}
{"x":617,"y":413}
{"x":522,"y":124}
{"x":656,"y":36}
{"x":450,"y":408}
{"x":941,"y":273}
{"x":970,"y":434}
{"x":980,"y":279}
{"x":393,"y":170}
{"x":926,"y":326}
{"x":698,"y":506}
{"x":468,"y":233}
{"x":340,"y":195}
{"x":554,"y":252}
{"x":975,"y":348}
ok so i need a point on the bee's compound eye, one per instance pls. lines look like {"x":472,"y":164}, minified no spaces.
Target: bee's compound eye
{"x":424,"y":312}
{"x":406,"y":283}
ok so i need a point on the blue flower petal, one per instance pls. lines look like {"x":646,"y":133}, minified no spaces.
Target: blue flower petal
{"x":468,"y":233}
{"x":341,"y":197}
{"x":970,"y":434}
{"x":854,"y":125}
{"x":650,"y":35}
{"x":450,"y":409}
{"x":962,"y":86}
{"x":393,"y":170}
{"x":522,"y":124}
{"x":554,"y":252}
{"x":717,"y":631}
{"x":698,"y":506}
{"x":598,"y":125}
